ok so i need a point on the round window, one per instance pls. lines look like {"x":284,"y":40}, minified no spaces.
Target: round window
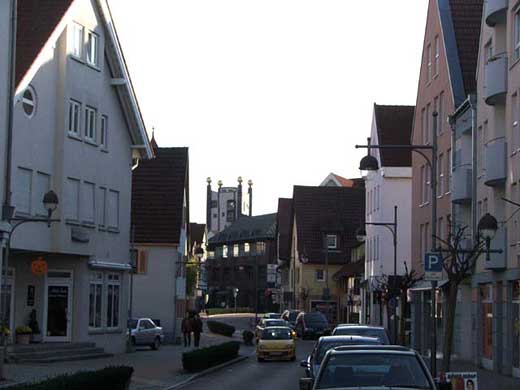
{"x":29,"y":102}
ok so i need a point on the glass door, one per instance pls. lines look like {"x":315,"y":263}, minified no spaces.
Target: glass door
{"x":58,"y":306}
{"x":486,"y":296}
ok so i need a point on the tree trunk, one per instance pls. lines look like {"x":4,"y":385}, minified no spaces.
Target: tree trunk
{"x":402,"y":319}
{"x":449,"y":325}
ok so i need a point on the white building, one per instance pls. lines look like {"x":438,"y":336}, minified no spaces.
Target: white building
{"x":386,"y":188}
{"x":77,"y":131}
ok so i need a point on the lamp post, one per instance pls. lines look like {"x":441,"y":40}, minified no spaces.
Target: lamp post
{"x":370,"y":163}
{"x":392,"y":227}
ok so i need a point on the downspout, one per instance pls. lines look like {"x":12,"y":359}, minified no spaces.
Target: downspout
{"x":473,"y":105}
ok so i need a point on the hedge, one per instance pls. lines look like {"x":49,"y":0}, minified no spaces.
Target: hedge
{"x":108,"y":378}
{"x":201,"y":359}
{"x":211,"y":312}
{"x":221,"y":328}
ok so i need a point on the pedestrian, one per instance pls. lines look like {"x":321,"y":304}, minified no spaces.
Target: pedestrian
{"x":186,"y":330}
{"x":197,"y":329}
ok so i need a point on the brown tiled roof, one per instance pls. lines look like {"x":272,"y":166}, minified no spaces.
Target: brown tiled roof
{"x":36,"y":20}
{"x":394,"y":127}
{"x":467,"y":17}
{"x":197,"y":231}
{"x":322,"y":210}
{"x":157,"y":196}
{"x":284,"y":222}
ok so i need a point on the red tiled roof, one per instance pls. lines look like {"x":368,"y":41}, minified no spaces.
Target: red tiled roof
{"x":394,"y":127}
{"x":157,"y":196}
{"x":467,"y":18}
{"x":36,"y":20}
{"x":328,"y":210}
{"x":284,"y":223}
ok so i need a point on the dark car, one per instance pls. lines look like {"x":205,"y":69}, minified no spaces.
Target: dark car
{"x":313,"y":362}
{"x":362,"y":330}
{"x":290,"y":316}
{"x":374,"y":367}
{"x":312,"y":325}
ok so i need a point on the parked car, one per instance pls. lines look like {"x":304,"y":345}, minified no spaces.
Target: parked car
{"x":266,"y":322}
{"x":276,"y":343}
{"x":272,"y":316}
{"x":290,"y":316}
{"x":313,"y":361}
{"x":312,"y":325}
{"x":374,"y":367}
{"x":144,"y":332}
{"x":362,"y":330}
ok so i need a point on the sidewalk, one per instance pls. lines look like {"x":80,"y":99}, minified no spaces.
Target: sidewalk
{"x":154,"y":370}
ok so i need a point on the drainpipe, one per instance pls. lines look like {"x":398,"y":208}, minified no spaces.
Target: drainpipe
{"x":473,"y":105}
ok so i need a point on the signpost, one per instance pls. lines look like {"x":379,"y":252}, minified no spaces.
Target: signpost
{"x":433,"y":267}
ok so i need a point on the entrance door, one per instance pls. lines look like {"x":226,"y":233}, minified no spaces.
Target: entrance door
{"x":516,"y":327}
{"x":486,"y":294}
{"x":58,"y":298}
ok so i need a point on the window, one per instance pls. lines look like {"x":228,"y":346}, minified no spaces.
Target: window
{"x":448,"y":171}
{"x":485,"y":206}
{"x":72,"y":199}
{"x":88,"y":202}
{"x":427,"y":185}
{"x":113,"y":301}
{"x":429,"y":62}
{"x":23,"y":190}
{"x":230,"y":211}
{"x":236,"y":250}
{"x":517,"y":34}
{"x":332,"y":241}
{"x":488,"y":51}
{"x":29,"y":102}
{"x":102,"y":202}
{"x":483,"y":145}
{"x":428,"y":118}
{"x":95,"y":299}
{"x":437,"y":54}
{"x":421,"y":239}
{"x":90,"y":124}
{"x":514,"y":109}
{"x":77,"y":40}
{"x":92,"y":48}
{"x":320,"y":275}
{"x":113,"y":209}
{"x":43,"y":185}
{"x":246,"y":247}
{"x":224,"y":251}
{"x":422,"y":180}
{"x":423,"y":125}
{"x":260,"y":248}
{"x":74,"y":117}
{"x":103,"y":141}
{"x":440,"y":173}
{"x":442,"y":115}
{"x":142,"y":261}
{"x":435,"y":109}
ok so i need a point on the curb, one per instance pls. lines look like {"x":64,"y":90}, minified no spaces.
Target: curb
{"x":207,"y":372}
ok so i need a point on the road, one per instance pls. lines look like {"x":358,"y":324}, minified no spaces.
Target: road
{"x":252,"y":375}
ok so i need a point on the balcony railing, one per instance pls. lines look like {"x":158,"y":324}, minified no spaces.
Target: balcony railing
{"x":461,"y":184}
{"x":495,"y":85}
{"x":496,"y":162}
{"x":495,"y":12}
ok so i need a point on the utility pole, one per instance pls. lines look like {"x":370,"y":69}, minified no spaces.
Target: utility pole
{"x":434,"y":244}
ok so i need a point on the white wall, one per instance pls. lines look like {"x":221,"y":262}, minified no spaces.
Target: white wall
{"x":4,"y":92}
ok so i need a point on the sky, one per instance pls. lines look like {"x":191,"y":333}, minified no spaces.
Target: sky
{"x":276,"y":91}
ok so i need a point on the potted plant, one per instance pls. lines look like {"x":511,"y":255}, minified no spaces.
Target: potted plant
{"x":23,"y":335}
{"x":5,"y":332}
{"x":33,"y":324}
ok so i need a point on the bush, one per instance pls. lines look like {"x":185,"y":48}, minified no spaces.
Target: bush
{"x":211,"y":312}
{"x":109,"y":378}
{"x":201,"y":359}
{"x":221,"y":328}
{"x":248,"y":337}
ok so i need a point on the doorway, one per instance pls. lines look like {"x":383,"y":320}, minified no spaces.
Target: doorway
{"x":58,"y":306}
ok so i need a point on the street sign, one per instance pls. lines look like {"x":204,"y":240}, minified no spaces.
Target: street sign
{"x":432,"y":266}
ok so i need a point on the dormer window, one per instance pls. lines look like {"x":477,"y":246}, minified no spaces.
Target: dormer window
{"x":77,"y":40}
{"x":332,"y":241}
{"x":92,"y":48}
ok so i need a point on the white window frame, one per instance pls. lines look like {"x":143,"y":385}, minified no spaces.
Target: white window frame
{"x":77,"y":38}
{"x":74,"y":118}
{"x":90,"y":123}
{"x":96,"y":279}
{"x":103,"y":132}
{"x":516,"y":38}
{"x":437,"y":55}
{"x":442,"y":117}
{"x":114,"y":280}
{"x":334,"y":237}
{"x":92,"y":37}
{"x":318,"y":279}
{"x":429,"y":62}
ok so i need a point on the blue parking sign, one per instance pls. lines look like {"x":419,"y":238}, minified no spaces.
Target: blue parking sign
{"x":432,"y":266}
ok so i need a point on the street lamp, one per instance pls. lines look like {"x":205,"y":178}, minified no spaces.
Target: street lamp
{"x":487,"y":228}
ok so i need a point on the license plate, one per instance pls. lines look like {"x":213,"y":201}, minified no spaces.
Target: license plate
{"x":276,"y":353}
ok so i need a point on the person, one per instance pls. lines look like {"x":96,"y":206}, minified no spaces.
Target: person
{"x":186,"y":330}
{"x":197,"y":330}
{"x":470,"y":385}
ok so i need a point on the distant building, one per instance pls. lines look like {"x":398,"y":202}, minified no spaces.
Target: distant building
{"x":198,"y":254}
{"x":284,"y":223}
{"x":243,"y":256}
{"x":226,"y":205}
{"x":333,"y":180}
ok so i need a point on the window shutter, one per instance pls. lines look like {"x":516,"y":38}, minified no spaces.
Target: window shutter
{"x":142,"y":263}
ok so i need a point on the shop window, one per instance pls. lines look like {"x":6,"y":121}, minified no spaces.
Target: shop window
{"x":113,"y":300}
{"x":95,"y":299}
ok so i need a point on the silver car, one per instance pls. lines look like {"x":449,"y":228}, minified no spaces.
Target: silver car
{"x":144,"y":332}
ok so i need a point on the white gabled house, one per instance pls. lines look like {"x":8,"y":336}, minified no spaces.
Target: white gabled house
{"x":78,"y":131}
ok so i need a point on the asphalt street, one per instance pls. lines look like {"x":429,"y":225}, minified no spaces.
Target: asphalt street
{"x":251,"y":375}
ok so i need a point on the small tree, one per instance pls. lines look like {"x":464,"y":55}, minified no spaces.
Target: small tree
{"x":458,"y":263}
{"x":191,"y":277}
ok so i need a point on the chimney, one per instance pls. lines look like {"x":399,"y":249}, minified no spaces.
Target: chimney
{"x":208,"y":204}
{"x":218,"y":204}
{"x":238,"y":205}
{"x":250,"y":192}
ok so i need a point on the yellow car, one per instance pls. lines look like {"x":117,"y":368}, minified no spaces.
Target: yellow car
{"x":276,"y":343}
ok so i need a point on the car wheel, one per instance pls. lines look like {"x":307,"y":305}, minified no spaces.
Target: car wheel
{"x":156,"y":344}
{"x":260,"y":360}
{"x":293,"y":358}
{"x":133,"y":341}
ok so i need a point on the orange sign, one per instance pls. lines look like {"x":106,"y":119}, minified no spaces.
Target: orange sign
{"x":39,"y":266}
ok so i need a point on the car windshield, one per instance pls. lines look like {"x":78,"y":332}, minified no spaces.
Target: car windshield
{"x":324,"y":346}
{"x":273,"y":316}
{"x":378,"y":369}
{"x":367,"y":332}
{"x":316,"y":319}
{"x":275,"y":323}
{"x":276,"y":334}
{"x":132,"y":323}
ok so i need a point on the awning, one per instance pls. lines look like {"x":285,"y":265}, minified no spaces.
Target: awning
{"x":101,"y":264}
{"x":424,"y":285}
{"x":350,"y":269}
